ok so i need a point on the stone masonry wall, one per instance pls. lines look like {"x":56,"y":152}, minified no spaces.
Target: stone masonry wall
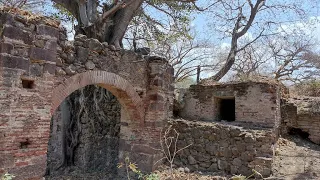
{"x":220,"y":147}
{"x":39,"y":68}
{"x":254,"y":102}
{"x":302,"y":113}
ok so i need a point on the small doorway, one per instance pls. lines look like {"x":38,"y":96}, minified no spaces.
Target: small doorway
{"x":226,"y":109}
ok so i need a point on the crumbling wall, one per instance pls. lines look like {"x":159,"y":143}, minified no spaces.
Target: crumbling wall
{"x":39,"y":68}
{"x":254,"y":102}
{"x":26,"y":83}
{"x":221,"y":147}
{"x":302,"y":113}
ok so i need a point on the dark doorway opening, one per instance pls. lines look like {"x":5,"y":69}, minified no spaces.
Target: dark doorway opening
{"x":298,"y":132}
{"x":227,"y":109}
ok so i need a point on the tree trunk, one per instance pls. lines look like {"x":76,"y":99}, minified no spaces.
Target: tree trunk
{"x":111,"y":29}
{"x":121,"y":21}
{"x":230,"y":60}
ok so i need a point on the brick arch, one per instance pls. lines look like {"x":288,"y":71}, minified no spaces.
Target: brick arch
{"x":118,"y":86}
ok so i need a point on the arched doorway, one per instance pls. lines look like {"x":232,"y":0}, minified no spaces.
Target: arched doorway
{"x":118,"y":86}
{"x":85,"y":128}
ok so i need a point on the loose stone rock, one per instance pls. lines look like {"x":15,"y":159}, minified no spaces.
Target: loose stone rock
{"x":90,"y":65}
{"x":60,"y":71}
{"x":71,"y":70}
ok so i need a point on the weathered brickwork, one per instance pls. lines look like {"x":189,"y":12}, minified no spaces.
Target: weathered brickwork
{"x":39,"y":68}
{"x":223,"y":147}
{"x":254,"y":102}
{"x":302,"y":113}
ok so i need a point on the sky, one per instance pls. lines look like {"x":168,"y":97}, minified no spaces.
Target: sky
{"x":201,"y":22}
{"x":204,"y":24}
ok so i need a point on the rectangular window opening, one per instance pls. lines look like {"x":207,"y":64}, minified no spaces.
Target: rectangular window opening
{"x":27,"y":83}
{"x":225,"y":108}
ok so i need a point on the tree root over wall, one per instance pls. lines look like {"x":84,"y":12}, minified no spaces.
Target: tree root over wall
{"x":87,"y":122}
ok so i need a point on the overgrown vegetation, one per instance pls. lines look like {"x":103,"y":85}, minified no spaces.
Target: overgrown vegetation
{"x":7,"y":176}
{"x":132,"y":167}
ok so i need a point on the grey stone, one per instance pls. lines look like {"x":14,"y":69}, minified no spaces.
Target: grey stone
{"x":186,"y":170}
{"x":233,"y":169}
{"x":60,"y":71}
{"x":78,"y":43}
{"x":51,"y":44}
{"x":94,"y":45}
{"x":181,"y":169}
{"x":80,"y":38}
{"x":237,"y":162}
{"x":191,"y":160}
{"x":24,"y":52}
{"x":17,"y":34}
{"x":247,"y":156}
{"x":70,"y":59}
{"x":47,"y":31}
{"x":64,"y":56}
{"x":39,"y":43}
{"x":39,"y":54}
{"x":90,"y":65}
{"x":6,"y":48}
{"x":49,"y":68}
{"x":222,"y":165}
{"x":213,"y":167}
{"x":36,"y":70}
{"x":235,"y":132}
{"x":59,"y":62}
{"x":205,"y":164}
{"x":82,"y":53}
{"x":112,"y":47}
{"x":14,"y":62}
{"x":105,"y":44}
{"x":71,"y":70}
{"x":249,"y":138}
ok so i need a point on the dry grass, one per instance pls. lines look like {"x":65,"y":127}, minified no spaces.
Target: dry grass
{"x":31,"y":17}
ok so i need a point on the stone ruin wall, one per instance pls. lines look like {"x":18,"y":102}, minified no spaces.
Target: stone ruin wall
{"x":254,"y":102}
{"x":36,"y":50}
{"x":219,"y":147}
{"x":302,"y":113}
{"x":39,"y":68}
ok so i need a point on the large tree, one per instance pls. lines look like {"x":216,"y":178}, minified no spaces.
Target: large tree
{"x":235,"y":20}
{"x":109,"y":20}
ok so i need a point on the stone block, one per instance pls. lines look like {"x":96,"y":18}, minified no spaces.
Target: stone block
{"x":50,"y":68}
{"x":51,"y":45}
{"x":36,"y":70}
{"x":17,"y":34}
{"x":6,"y":48}
{"x":47,"y":31}
{"x":14,"y":62}
{"x":42,"y":55}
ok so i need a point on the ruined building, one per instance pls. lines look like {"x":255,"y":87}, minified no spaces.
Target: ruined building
{"x":39,"y":69}
{"x":75,"y":109}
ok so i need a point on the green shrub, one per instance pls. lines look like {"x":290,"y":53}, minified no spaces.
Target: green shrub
{"x":7,"y":176}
